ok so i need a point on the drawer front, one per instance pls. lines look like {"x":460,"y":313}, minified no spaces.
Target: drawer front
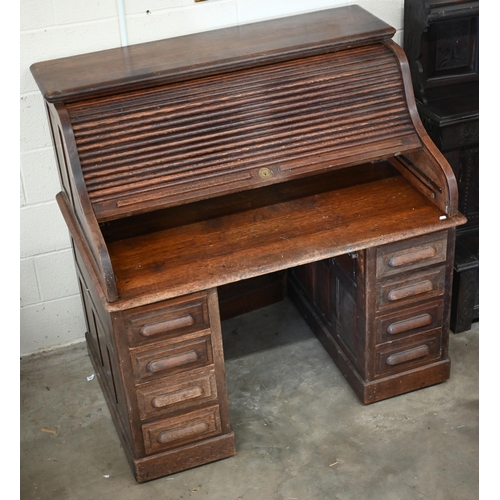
{"x":183,"y":429}
{"x":412,"y":321}
{"x":410,"y":289}
{"x":406,"y":355}
{"x":167,"y":319}
{"x":411,"y":254}
{"x":174,"y":393}
{"x":168,"y":359}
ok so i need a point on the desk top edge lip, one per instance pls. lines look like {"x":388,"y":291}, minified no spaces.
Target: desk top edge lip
{"x":232,"y":48}
{"x":132,"y":302}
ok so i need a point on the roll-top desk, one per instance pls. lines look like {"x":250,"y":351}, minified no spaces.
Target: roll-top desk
{"x":279,"y":157}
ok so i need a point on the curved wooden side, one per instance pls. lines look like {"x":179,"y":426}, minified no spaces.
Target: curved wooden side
{"x":76,"y":199}
{"x":84,"y":249}
{"x":426,"y":169}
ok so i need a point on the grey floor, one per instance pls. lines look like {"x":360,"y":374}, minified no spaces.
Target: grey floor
{"x":301,"y":433}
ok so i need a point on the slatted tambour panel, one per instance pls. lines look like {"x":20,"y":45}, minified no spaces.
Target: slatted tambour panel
{"x":200,"y":138}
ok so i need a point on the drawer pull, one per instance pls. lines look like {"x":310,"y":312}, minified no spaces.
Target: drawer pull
{"x":409,"y":291}
{"x":406,"y":259}
{"x":410,"y":355}
{"x":165,"y":326}
{"x":409,"y":324}
{"x":182,"y":433}
{"x":176,"y":397}
{"x":174,"y":361}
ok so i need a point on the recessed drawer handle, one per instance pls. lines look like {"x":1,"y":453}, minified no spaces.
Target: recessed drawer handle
{"x":174,"y":361}
{"x":176,"y":397}
{"x":409,"y":324}
{"x":165,"y":326}
{"x":410,"y":355}
{"x":406,"y":259}
{"x":182,"y":433}
{"x":409,"y":291}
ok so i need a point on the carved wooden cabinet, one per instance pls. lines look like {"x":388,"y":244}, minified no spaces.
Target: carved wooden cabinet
{"x":210,"y":174}
{"x":441,"y":40}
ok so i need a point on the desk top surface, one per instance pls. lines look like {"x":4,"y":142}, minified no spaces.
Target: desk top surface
{"x":304,"y":222}
{"x":207,"y":53}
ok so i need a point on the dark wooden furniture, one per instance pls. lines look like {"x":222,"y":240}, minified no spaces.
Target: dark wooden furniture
{"x":441,"y":41}
{"x":279,"y":157}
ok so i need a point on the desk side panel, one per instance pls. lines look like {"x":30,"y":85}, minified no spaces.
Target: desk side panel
{"x":427,"y":169}
{"x":74,"y":202}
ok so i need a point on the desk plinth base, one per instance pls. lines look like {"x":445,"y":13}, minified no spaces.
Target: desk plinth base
{"x":187,"y":457}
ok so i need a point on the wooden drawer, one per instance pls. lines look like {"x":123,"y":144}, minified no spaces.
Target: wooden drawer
{"x":406,"y":355}
{"x":402,"y":291}
{"x":411,"y":254}
{"x":167,"y":319}
{"x":174,"y":393}
{"x":412,"y":321}
{"x":183,"y":429}
{"x":164,"y":359}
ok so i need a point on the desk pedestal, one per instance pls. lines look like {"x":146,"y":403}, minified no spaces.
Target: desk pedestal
{"x":161,"y":369}
{"x":382,"y":313}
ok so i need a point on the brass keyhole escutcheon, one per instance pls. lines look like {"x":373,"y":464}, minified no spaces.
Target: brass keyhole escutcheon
{"x":265,"y":173}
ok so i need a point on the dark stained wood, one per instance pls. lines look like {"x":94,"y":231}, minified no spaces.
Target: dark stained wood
{"x":212,"y":174}
{"x":442,"y":44}
{"x":253,"y":128}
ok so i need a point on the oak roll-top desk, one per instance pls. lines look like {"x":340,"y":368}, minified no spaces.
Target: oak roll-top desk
{"x":289,"y":148}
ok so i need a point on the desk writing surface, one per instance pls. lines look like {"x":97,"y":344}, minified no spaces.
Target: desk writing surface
{"x":253,"y":242}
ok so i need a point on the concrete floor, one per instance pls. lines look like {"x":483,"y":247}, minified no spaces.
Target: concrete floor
{"x":301,"y":433}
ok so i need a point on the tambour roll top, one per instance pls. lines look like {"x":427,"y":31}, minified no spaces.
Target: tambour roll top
{"x":183,"y":136}
{"x":191,"y":140}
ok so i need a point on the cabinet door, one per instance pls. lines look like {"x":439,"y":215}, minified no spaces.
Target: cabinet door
{"x":348,"y":316}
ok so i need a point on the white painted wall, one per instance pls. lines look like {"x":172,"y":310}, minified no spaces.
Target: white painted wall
{"x":51,"y":313}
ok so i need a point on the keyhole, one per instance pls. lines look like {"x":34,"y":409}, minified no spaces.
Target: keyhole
{"x":265,"y":173}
